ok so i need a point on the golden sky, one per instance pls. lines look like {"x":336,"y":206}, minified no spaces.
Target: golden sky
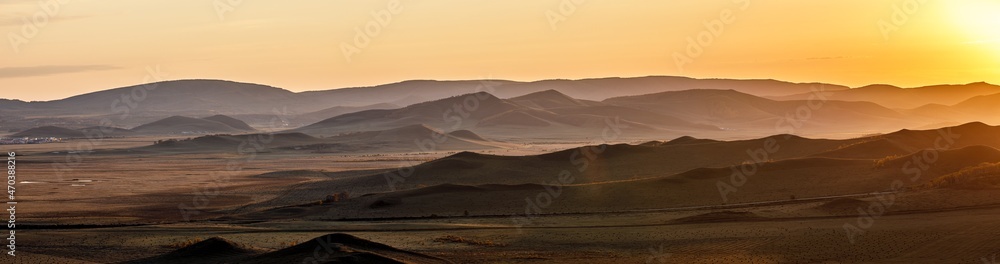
{"x":87,"y":45}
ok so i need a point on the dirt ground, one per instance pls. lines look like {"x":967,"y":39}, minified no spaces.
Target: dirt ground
{"x":113,"y":207}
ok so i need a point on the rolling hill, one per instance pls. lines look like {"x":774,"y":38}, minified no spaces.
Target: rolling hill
{"x":50,"y":131}
{"x":189,"y":125}
{"x":680,"y":173}
{"x":412,"y":138}
{"x":338,"y":248}
{"x":550,"y":113}
{"x":735,"y":110}
{"x":233,"y":143}
{"x":905,"y":98}
{"x":210,"y":97}
{"x":231,"y":122}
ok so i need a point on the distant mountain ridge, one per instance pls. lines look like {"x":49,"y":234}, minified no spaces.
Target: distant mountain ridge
{"x":207,"y":97}
{"x":905,"y":98}
{"x":648,"y":105}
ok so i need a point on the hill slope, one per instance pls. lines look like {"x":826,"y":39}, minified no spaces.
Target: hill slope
{"x":906,"y":98}
{"x":188,"y":125}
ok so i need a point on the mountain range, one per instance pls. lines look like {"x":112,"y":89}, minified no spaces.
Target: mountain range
{"x":645,"y":107}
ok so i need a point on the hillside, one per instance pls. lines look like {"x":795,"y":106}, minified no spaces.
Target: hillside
{"x":207,"y":97}
{"x":313,"y":117}
{"x":682,"y":172}
{"x":549,"y":114}
{"x":735,"y":110}
{"x":233,"y":143}
{"x":904,"y":142}
{"x":211,"y":250}
{"x":50,"y":131}
{"x":188,"y":125}
{"x":549,"y":99}
{"x":412,"y":138}
{"x":340,"y":248}
{"x":906,"y":98}
{"x":231,"y":122}
{"x":984,"y":108}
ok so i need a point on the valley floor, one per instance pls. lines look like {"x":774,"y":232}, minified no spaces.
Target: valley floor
{"x":962,"y":236}
{"x":94,"y":213}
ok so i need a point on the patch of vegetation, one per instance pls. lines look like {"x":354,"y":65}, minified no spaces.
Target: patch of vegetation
{"x":879,"y":163}
{"x":982,"y":176}
{"x":471,"y":242}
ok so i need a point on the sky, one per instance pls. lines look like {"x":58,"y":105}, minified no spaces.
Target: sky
{"x":54,"y":49}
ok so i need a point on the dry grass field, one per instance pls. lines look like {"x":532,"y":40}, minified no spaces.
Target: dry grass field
{"x":274,"y":201}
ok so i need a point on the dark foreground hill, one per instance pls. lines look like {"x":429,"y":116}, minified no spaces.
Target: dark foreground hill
{"x":328,"y":249}
{"x":678,"y":173}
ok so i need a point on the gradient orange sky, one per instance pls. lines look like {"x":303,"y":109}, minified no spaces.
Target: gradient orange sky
{"x":89,"y":45}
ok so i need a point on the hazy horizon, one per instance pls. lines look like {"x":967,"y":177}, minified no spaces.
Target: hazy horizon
{"x":85,"y":46}
{"x":554,"y":131}
{"x":459,"y":80}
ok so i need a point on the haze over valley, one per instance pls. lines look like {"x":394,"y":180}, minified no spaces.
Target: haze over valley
{"x":563,"y":131}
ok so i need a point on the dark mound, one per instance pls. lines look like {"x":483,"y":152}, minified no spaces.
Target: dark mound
{"x":715,"y":217}
{"x":466,"y":154}
{"x":466,"y":134}
{"x":687,"y":140}
{"x":342,"y":248}
{"x":547,"y":99}
{"x":212,"y":247}
{"x":212,"y":250}
{"x":50,"y":131}
{"x":230,"y":121}
{"x":185,"y":125}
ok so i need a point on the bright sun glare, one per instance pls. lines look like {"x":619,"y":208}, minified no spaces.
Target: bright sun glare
{"x":980,"y":19}
{"x":979,"y":22}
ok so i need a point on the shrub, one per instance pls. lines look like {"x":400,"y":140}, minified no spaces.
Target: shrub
{"x":471,"y":242}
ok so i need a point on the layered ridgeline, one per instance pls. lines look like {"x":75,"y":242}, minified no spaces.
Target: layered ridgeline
{"x":650,"y":107}
{"x":260,"y":104}
{"x":678,"y":173}
{"x":705,"y":113}
{"x":904,"y":98}
{"x":174,"y":125}
{"x":543,"y":114}
{"x":407,"y":139}
{"x":205,"y":97}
